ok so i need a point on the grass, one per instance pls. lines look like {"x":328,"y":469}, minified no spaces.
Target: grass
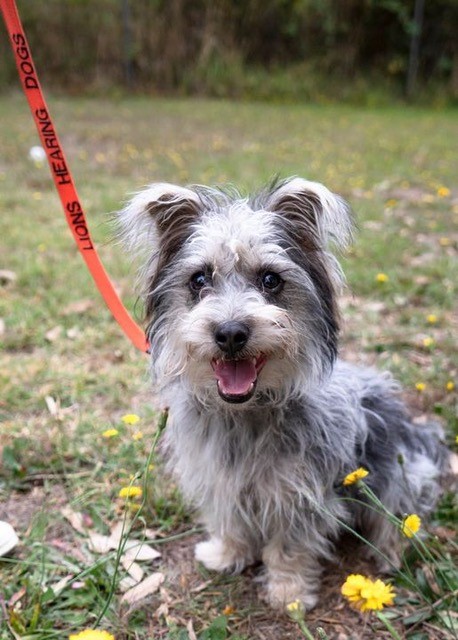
{"x":67,"y":374}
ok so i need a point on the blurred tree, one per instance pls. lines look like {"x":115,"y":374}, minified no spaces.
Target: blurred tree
{"x":193,"y":45}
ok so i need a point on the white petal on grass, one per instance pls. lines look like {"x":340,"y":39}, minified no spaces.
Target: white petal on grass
{"x":8,"y":538}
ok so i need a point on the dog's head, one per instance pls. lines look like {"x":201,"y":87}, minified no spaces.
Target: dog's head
{"x":240,"y":292}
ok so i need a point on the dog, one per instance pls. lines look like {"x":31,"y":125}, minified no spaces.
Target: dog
{"x":265,"y":420}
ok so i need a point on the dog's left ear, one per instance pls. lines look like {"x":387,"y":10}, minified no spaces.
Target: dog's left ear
{"x":160,"y":214}
{"x":312,"y":211}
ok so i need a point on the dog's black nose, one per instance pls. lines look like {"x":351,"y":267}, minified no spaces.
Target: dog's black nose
{"x":231,"y":336}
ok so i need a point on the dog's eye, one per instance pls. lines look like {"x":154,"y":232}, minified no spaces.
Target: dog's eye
{"x":199,"y":280}
{"x":271,"y":282}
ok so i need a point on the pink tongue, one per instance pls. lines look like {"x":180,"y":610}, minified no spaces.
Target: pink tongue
{"x":235,"y":377}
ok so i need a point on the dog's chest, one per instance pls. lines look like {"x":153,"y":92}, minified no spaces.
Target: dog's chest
{"x":238,"y":466}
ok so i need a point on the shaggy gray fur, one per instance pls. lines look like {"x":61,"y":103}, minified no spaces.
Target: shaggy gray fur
{"x":265,"y":422}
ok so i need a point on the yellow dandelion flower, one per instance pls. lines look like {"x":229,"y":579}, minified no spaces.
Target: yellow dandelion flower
{"x":375,"y":595}
{"x":138,"y":435}
{"x":391,"y":203}
{"x":382,"y":277}
{"x":130,"y":418}
{"x":296,"y":611}
{"x":420,"y":386}
{"x":352,"y":587}
{"x":450,"y":385}
{"x":443,"y":192}
{"x":92,"y":634}
{"x":365,"y":594}
{"x":131,"y":151}
{"x":431,"y":318}
{"x":411,"y":525}
{"x":131,"y":492}
{"x":428,"y":342}
{"x":355,"y":476}
{"x":292,"y":607}
{"x":456,"y":439}
{"x":445,"y":242}
{"x":110,"y":433}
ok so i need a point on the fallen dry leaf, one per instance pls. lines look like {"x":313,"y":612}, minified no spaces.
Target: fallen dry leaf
{"x":133,"y":569}
{"x":99,"y":543}
{"x":202,"y":586}
{"x":53,"y":334}
{"x":75,"y":518}
{"x":133,"y":550}
{"x":190,"y":630}
{"x":17,"y":597}
{"x":127,"y":583}
{"x":117,"y":532}
{"x":60,"y":586}
{"x":79,"y":306}
{"x":162,"y":611}
{"x":151,"y":534}
{"x":147,"y":587}
{"x":73,"y":333}
{"x":53,"y":405}
{"x":7,"y":276}
{"x":137,"y":550}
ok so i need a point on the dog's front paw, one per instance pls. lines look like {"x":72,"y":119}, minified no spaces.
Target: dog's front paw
{"x":280,"y":593}
{"x":215,"y":554}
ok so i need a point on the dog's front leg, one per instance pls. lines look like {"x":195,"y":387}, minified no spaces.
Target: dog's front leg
{"x":292,"y":575}
{"x":224,"y":554}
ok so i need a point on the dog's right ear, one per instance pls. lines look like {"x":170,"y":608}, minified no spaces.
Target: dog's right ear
{"x":160,"y":214}
{"x":312,"y":211}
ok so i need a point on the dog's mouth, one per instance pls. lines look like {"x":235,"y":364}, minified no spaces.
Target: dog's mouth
{"x":236,"y":379}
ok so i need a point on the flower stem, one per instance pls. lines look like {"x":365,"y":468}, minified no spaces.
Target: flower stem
{"x":125,"y":531}
{"x":388,"y":625}
{"x":305,"y":630}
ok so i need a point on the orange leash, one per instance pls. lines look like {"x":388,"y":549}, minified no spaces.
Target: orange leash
{"x":61,"y":174}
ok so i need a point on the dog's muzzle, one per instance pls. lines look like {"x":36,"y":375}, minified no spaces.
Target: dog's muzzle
{"x":236,"y":376}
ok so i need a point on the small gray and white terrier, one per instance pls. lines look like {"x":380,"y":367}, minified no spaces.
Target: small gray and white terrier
{"x":265,"y":422}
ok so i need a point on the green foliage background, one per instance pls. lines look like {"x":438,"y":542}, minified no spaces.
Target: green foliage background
{"x":285,"y":49}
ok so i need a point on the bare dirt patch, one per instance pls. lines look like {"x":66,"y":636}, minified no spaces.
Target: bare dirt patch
{"x":190,"y":593}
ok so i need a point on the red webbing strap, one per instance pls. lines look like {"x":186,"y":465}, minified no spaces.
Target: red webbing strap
{"x":61,"y":174}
